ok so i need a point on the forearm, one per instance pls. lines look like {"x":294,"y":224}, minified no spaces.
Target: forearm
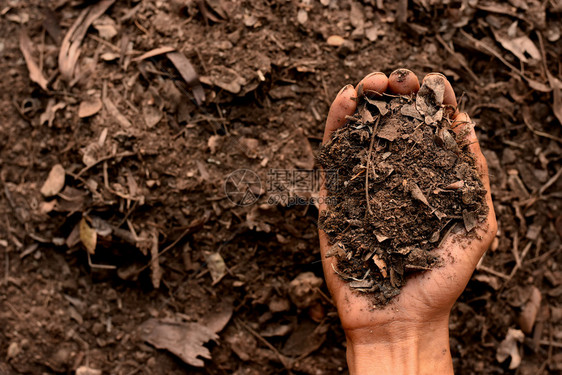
{"x":400,"y":350}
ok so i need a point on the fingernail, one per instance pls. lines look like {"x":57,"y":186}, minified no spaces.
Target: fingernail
{"x":344,"y":89}
{"x":374,"y":74}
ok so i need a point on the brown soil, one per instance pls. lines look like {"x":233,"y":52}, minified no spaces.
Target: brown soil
{"x":269,"y":71}
{"x":399,"y":178}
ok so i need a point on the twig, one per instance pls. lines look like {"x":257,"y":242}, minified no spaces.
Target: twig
{"x":280,"y":356}
{"x":369,"y":165}
{"x":550,"y":182}
{"x":542,"y":257}
{"x":490,"y":50}
{"x":187,"y":231}
{"x":460,"y":60}
{"x":517,"y":266}
{"x":551,"y":343}
{"x":493,"y":272}
{"x":120,"y":155}
{"x":515,"y":249}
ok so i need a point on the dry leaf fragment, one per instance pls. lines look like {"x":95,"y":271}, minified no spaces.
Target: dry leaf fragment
{"x":70,"y":48}
{"x":50,"y":112}
{"x":556,"y":85}
{"x":508,"y":348}
{"x":216,"y":265}
{"x":54,"y":182}
{"x":188,"y":73}
{"x":411,"y":111}
{"x":381,"y":105}
{"x":152,"y":116}
{"x":381,"y":264}
{"x":430,"y":98}
{"x":88,"y":236}
{"x":106,"y":27}
{"x":89,"y":107}
{"x":35,"y":74}
{"x":418,"y":194}
{"x":51,"y":24}
{"x":530,"y":311}
{"x":336,"y":249}
{"x":470,"y":220}
{"x":182,"y":339}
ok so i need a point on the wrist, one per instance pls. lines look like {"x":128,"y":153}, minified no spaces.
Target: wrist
{"x":400,"y":348}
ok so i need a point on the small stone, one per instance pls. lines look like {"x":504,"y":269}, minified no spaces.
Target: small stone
{"x":335,"y":40}
{"x":302,"y":16}
{"x":83,"y":370}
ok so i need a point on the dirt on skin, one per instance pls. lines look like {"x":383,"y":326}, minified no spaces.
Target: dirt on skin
{"x":398,"y":178}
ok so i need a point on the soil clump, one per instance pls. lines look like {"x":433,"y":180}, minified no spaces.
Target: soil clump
{"x":398,"y":179}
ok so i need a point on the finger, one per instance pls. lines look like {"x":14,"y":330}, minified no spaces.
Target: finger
{"x":344,"y":105}
{"x":374,"y":82}
{"x":449,"y":97}
{"x":464,"y":128}
{"x":403,"y":82}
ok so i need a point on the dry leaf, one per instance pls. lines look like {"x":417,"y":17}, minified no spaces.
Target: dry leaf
{"x":519,"y":47}
{"x":54,"y":182}
{"x":219,"y":316}
{"x":35,"y":74}
{"x":70,"y":48}
{"x":188,"y":74}
{"x":182,"y":339}
{"x":89,"y":107}
{"x":88,"y":236}
{"x":508,"y":348}
{"x":418,"y":194}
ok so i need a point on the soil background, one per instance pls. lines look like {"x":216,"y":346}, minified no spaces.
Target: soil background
{"x":159,"y":154}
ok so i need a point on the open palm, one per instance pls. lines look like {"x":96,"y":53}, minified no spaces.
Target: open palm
{"x":427,"y":296}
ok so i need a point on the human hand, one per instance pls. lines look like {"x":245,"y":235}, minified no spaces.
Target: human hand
{"x":410,"y":334}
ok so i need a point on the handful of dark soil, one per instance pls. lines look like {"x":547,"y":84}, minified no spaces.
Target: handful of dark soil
{"x":398,"y":179}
